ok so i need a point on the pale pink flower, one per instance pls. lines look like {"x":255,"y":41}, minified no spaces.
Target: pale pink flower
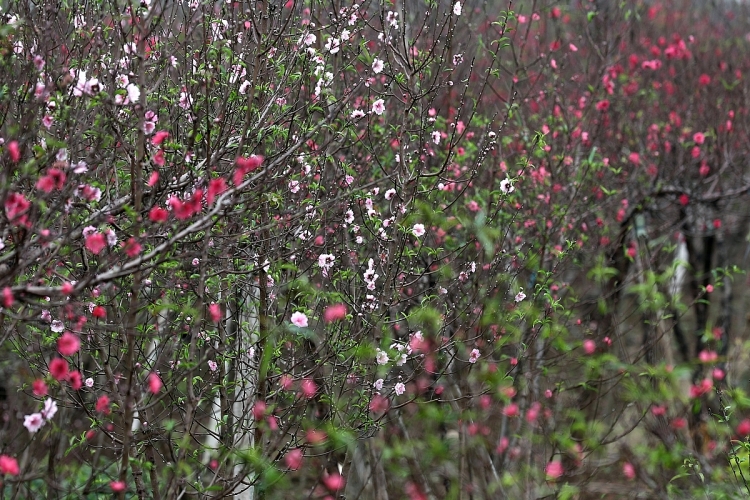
{"x":506,"y":186}
{"x":134,"y":93}
{"x":378,"y":107}
{"x":299,"y":319}
{"x":418,"y":230}
{"x":33,"y":422}
{"x":378,"y":385}
{"x":50,"y":408}
{"x":381,"y":357}
{"x":474,"y":356}
{"x":212,"y":365}
{"x":399,"y":388}
{"x":377,"y":65}
{"x":457,"y":8}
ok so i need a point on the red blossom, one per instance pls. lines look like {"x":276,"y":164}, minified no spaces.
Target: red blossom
{"x":99,"y":312}
{"x":7,"y":297}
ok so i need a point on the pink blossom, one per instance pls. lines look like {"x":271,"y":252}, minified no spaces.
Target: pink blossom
{"x":293,"y":459}
{"x":95,"y":243}
{"x":215,"y":311}
{"x":299,"y":319}
{"x":309,"y":388}
{"x":117,"y":486}
{"x":334,"y":482}
{"x":418,"y":230}
{"x":14,"y":151}
{"x":554,"y":469}
{"x":335,"y":312}
{"x":589,"y":346}
{"x":154,"y":383}
{"x":628,"y":470}
{"x":399,"y":388}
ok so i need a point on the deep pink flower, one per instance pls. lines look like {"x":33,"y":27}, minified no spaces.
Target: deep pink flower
{"x":743,"y":428}
{"x":68,"y":344}
{"x":245,"y":166}
{"x":215,"y":311}
{"x":39,"y":387}
{"x":102,"y":405}
{"x":16,"y":206}
{"x":215,"y":188}
{"x":159,"y":137}
{"x":158,"y":214}
{"x":58,"y":368}
{"x":75,"y":380}
{"x":9,"y":465}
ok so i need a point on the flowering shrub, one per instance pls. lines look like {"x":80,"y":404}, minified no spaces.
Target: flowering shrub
{"x":250,"y":250}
